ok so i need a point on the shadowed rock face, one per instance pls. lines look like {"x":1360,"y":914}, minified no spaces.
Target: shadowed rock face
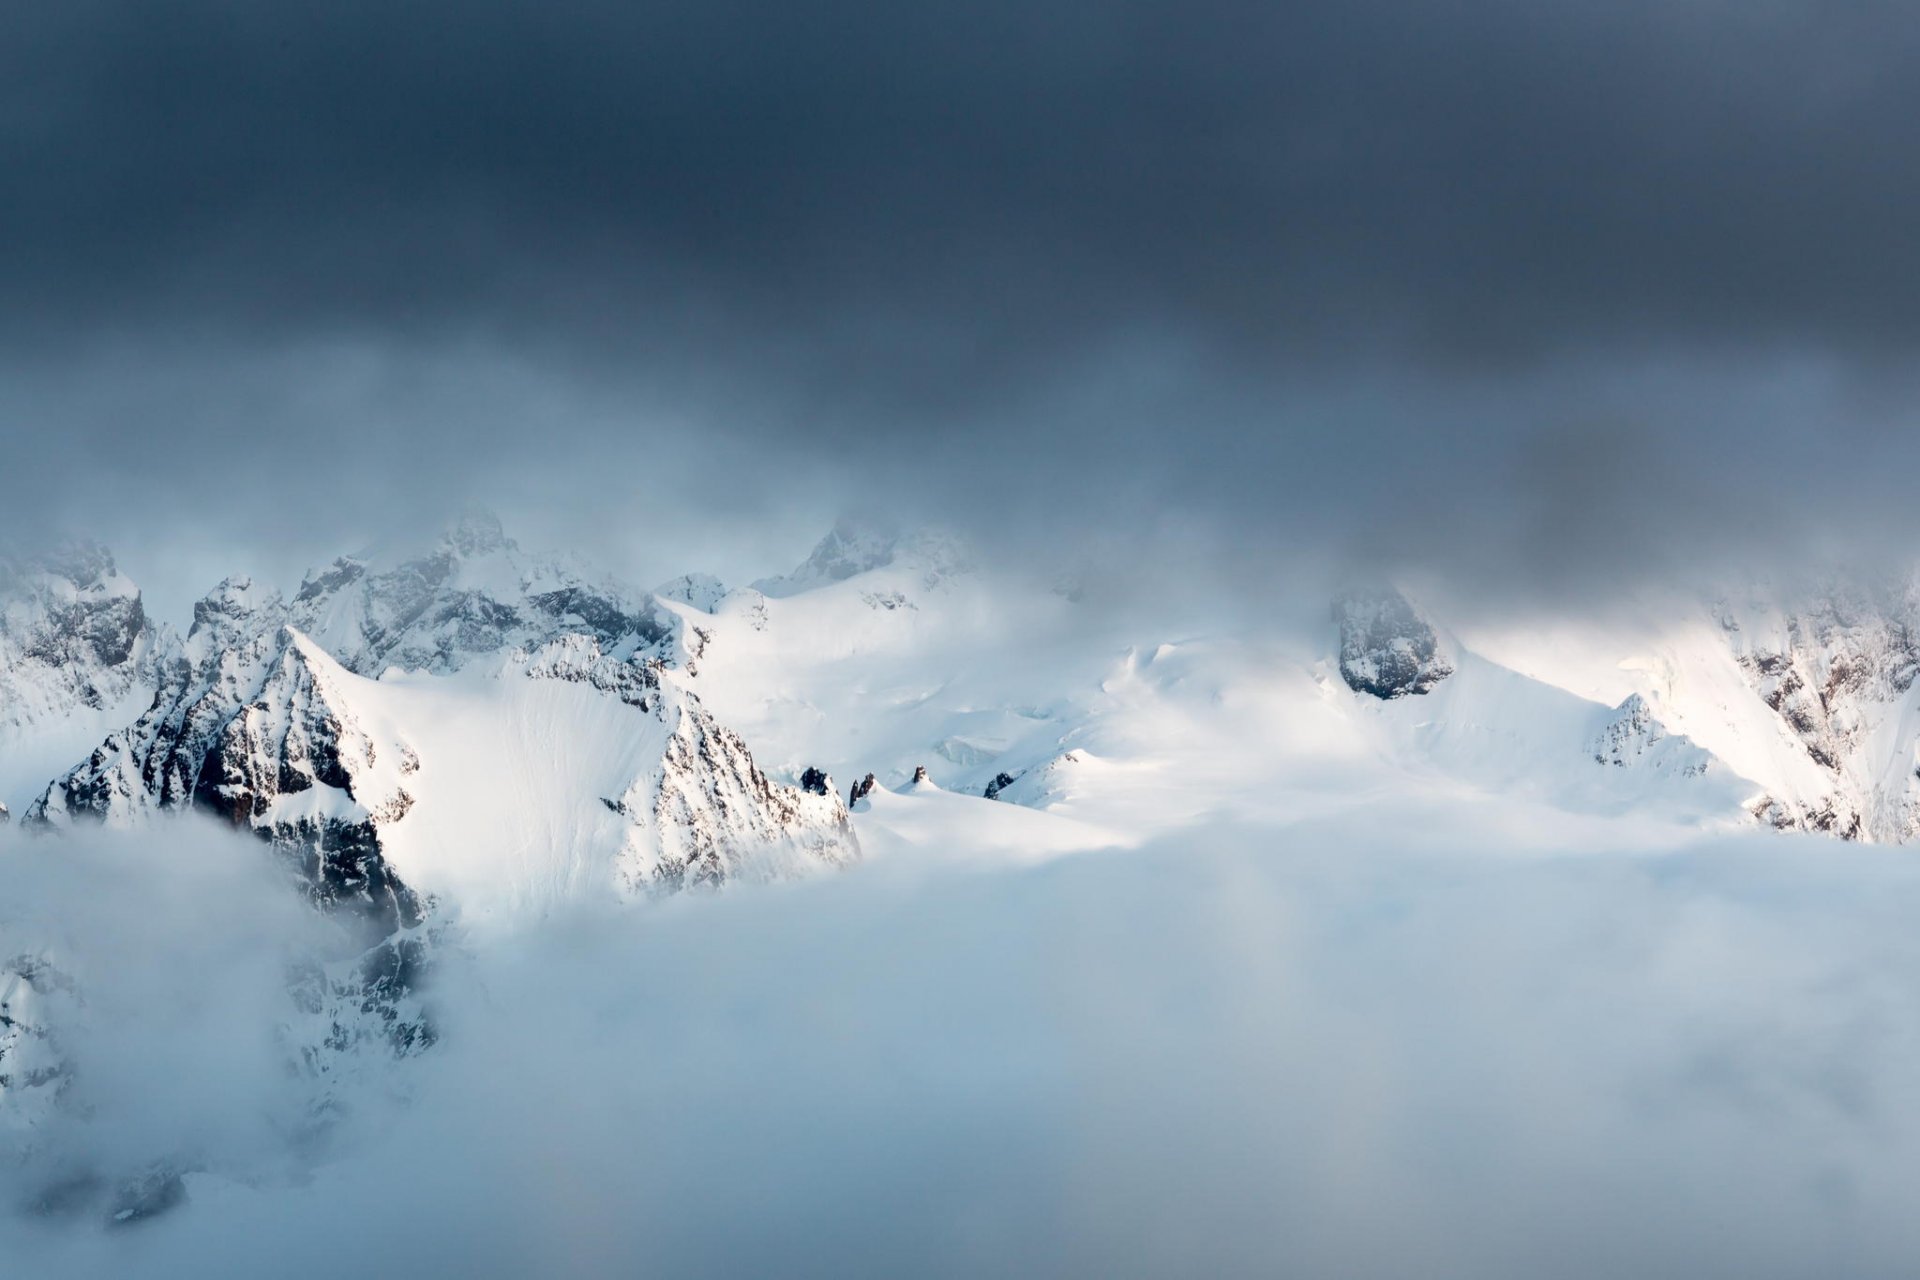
{"x":1387,"y":649}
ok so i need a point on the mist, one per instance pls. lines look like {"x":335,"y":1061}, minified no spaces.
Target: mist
{"x":1573,"y":322}
{"x":150,"y":1024}
{"x":1236,"y":1051}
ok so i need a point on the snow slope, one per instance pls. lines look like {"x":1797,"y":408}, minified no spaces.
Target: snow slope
{"x":995,"y":684}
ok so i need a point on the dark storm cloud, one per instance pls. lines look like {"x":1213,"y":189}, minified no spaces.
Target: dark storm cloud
{"x":1371,"y":264}
{"x":1477,"y":178}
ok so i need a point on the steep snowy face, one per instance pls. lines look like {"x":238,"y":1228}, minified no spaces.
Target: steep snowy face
{"x":1387,"y":648}
{"x":690,"y":807}
{"x":1839,"y":672}
{"x":297,"y":765}
{"x":76,"y":648}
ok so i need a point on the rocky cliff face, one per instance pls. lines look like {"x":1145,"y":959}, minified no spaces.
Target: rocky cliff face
{"x":1388,"y":649}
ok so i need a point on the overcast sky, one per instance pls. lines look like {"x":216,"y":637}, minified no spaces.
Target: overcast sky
{"x":1536,"y":293}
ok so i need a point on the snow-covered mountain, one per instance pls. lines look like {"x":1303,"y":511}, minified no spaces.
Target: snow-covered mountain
{"x":278,"y":715}
{"x":438,"y":749}
{"x":1808,"y":691}
{"x":445,"y":724}
{"x":452,"y":739}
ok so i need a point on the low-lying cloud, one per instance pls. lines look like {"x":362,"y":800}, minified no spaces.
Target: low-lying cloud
{"x":1232,"y":1053}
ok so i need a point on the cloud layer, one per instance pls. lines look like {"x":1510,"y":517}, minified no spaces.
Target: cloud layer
{"x":1537,"y":293}
{"x":1235,"y":1053}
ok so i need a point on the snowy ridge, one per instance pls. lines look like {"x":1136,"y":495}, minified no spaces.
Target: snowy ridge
{"x":1806,"y":690}
{"x":264,"y":719}
{"x":463,"y":737}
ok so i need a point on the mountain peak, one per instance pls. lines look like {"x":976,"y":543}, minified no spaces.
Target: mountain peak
{"x":1387,"y":646}
{"x":477,"y":532}
{"x":855,"y":546}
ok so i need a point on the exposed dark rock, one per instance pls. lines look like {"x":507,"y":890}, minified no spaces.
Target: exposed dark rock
{"x":603,"y":617}
{"x":1387,"y":649}
{"x":1001,"y":781}
{"x":335,"y":577}
{"x":815,"y":782}
{"x":861,"y":790}
{"x":921,"y":775}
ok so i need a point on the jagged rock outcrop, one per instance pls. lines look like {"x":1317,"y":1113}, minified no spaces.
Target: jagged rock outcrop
{"x":815,"y":782}
{"x":1634,"y":738}
{"x":921,"y":777}
{"x":1387,"y":648}
{"x":1001,"y":781}
{"x":861,"y":790}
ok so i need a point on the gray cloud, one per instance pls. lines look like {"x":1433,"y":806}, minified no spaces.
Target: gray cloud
{"x":1547,"y":290}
